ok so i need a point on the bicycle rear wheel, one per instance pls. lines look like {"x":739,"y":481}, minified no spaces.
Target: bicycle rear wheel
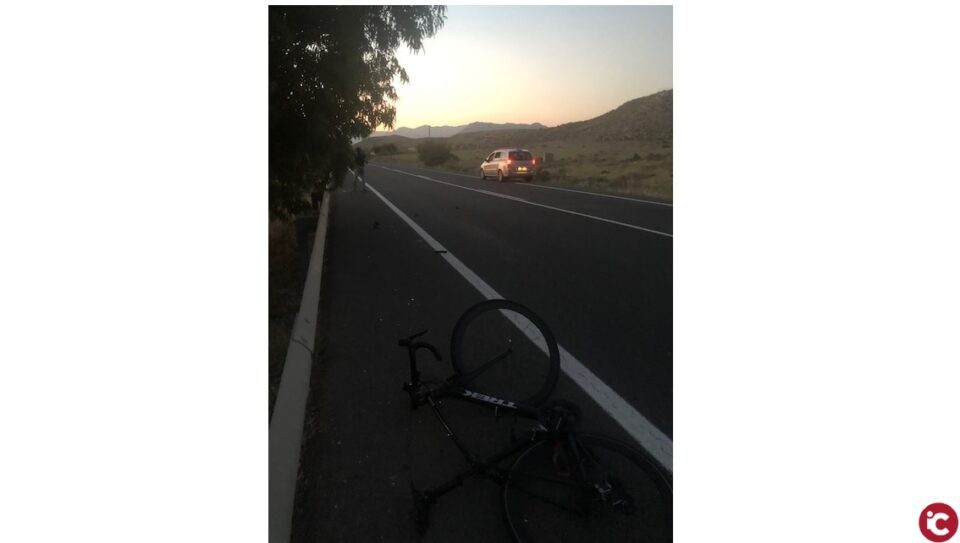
{"x":626,"y":498}
{"x":527,"y":359}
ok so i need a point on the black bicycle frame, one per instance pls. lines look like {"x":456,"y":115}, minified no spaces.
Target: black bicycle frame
{"x":455,"y":388}
{"x":551,"y":426}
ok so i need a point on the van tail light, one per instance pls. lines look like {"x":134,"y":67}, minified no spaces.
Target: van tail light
{"x":534,"y":162}
{"x":509,"y":162}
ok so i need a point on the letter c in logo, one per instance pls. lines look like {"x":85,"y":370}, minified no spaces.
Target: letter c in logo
{"x":932,"y":523}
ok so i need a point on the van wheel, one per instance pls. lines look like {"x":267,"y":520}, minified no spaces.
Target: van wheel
{"x":500,"y":176}
{"x":482,"y":176}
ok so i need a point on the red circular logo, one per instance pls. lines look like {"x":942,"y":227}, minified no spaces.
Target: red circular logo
{"x":938,"y":522}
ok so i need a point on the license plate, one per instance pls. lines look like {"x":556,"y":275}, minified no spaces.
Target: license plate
{"x":522,"y":169}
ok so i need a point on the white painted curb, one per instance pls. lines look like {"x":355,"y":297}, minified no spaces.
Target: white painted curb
{"x":286,"y":423}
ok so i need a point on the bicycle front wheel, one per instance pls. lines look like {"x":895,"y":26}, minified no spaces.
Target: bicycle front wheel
{"x":511,"y":350}
{"x":616,"y":494}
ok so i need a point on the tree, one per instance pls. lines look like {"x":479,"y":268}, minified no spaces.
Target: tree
{"x":331,"y":81}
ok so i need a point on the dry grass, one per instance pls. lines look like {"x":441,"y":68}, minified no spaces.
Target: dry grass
{"x":628,"y":167}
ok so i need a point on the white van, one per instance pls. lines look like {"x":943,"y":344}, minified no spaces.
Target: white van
{"x":506,"y":163}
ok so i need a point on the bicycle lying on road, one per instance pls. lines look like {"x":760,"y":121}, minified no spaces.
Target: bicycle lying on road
{"x":562,"y":484}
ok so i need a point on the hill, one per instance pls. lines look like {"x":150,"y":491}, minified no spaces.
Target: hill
{"x":648,"y":120}
{"x":484,"y":127}
{"x":421,"y":131}
{"x":644,"y":119}
{"x":424,"y":131}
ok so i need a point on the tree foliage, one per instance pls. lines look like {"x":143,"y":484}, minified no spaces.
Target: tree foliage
{"x":331,"y":71}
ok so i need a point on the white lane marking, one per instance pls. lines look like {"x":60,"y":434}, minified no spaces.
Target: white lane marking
{"x":528,"y":202}
{"x":658,"y":444}
{"x":638,"y":200}
{"x":627,"y":198}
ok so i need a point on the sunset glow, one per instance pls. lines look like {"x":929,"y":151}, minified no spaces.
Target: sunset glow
{"x":547,"y":64}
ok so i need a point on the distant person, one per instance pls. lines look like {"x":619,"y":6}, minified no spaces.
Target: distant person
{"x":359,"y":162}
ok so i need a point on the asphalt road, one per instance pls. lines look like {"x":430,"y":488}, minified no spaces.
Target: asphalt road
{"x":597,"y":269}
{"x":605,"y":289}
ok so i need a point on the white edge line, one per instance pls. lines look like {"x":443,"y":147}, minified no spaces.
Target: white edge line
{"x":528,"y":202}
{"x":587,"y":192}
{"x":658,"y":444}
{"x":286,"y":422}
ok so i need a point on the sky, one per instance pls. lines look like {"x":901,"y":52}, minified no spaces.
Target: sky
{"x":525,"y":64}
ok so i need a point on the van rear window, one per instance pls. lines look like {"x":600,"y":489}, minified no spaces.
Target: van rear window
{"x":520,"y":155}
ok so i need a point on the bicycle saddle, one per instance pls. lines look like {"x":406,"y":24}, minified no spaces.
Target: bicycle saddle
{"x":559,"y":415}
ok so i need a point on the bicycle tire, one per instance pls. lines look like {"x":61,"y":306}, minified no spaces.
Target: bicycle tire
{"x":529,"y":375}
{"x":546,"y":501}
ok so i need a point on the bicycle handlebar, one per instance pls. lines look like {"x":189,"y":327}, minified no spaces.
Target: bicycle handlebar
{"x":412,"y":347}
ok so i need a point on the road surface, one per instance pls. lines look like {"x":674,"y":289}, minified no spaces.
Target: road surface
{"x":598,"y":269}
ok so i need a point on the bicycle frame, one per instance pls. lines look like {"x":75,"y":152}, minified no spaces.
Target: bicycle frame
{"x":455,"y":388}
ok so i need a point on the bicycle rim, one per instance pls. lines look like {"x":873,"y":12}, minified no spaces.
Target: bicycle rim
{"x":529,"y":370}
{"x":545,"y":500}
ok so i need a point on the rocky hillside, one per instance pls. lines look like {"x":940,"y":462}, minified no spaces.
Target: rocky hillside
{"x":647,"y":120}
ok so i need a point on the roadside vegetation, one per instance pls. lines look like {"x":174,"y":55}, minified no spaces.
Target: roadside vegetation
{"x":388,"y":149}
{"x":331,"y":80}
{"x":435,"y":153}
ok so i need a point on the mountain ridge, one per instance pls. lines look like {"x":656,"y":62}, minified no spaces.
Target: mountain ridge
{"x":646,"y":120}
{"x":446,"y":131}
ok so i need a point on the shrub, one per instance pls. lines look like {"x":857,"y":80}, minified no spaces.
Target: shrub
{"x":385,"y":149}
{"x":433,"y":152}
